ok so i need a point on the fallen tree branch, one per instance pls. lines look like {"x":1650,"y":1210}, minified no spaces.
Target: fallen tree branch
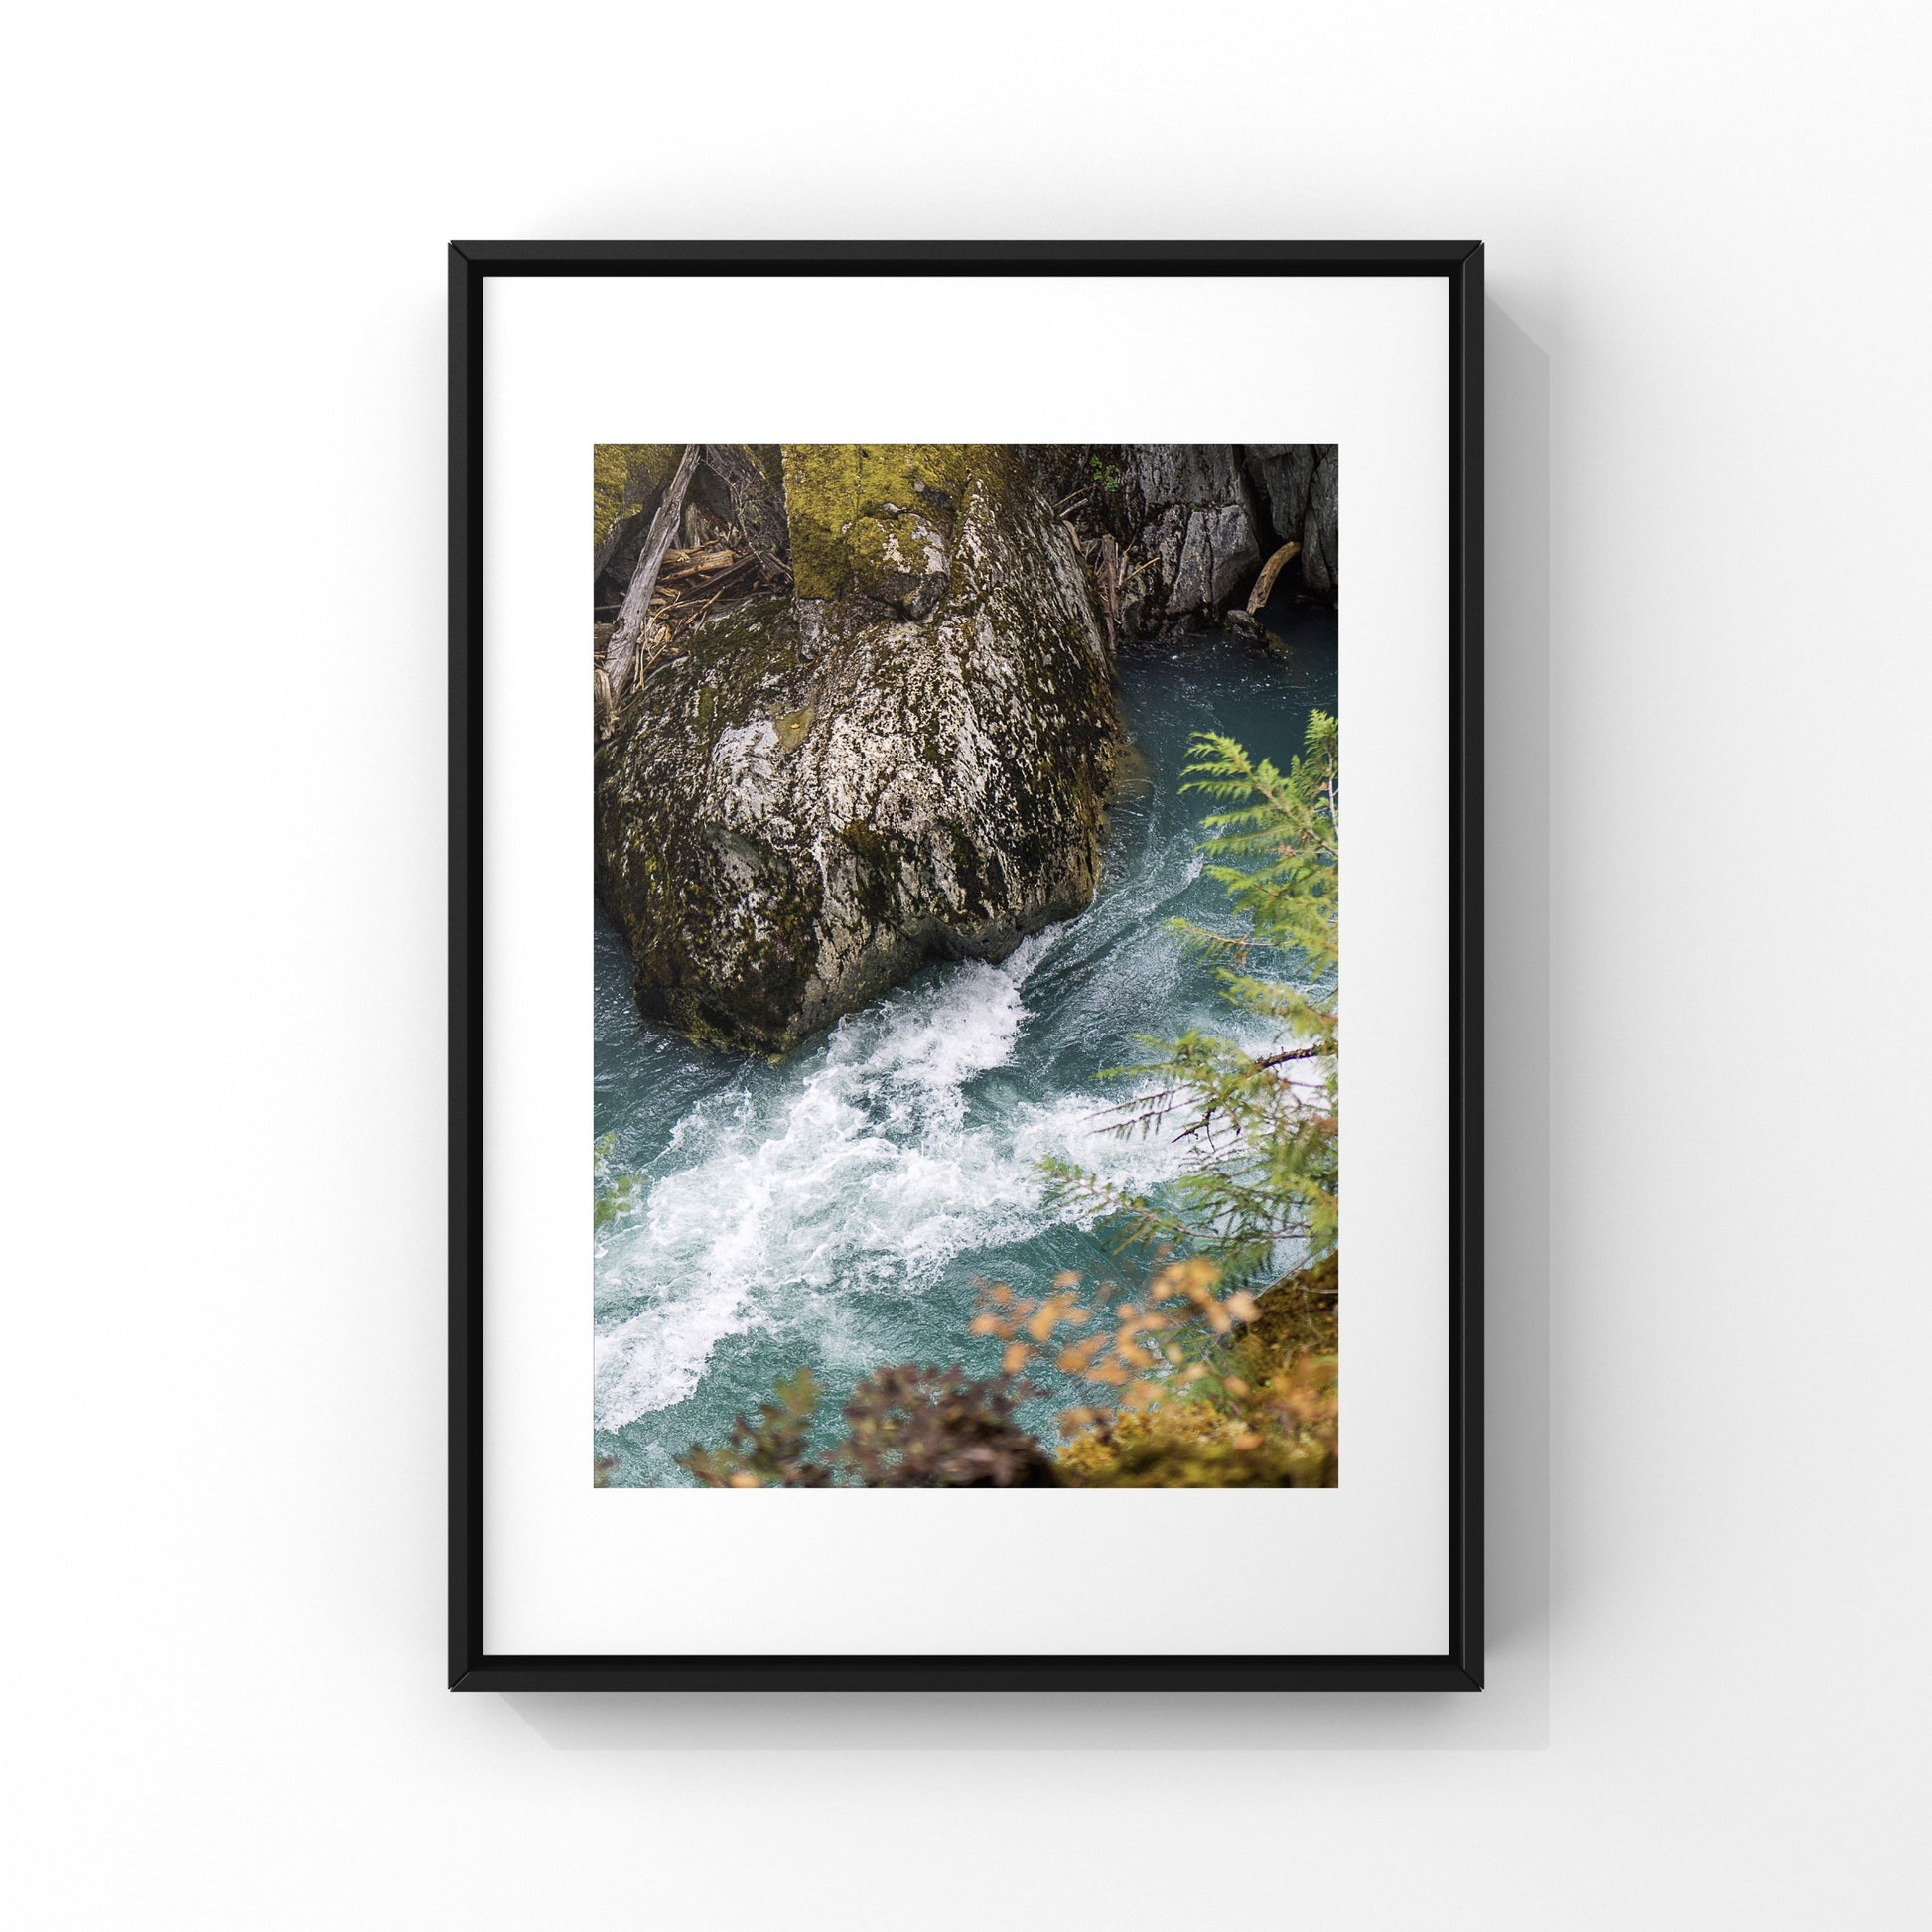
{"x":644,"y":580}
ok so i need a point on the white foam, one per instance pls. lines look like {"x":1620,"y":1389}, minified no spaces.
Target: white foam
{"x":865,"y":1172}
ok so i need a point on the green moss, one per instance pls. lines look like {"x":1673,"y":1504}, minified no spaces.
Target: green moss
{"x":627,"y":475}
{"x":830,"y":486}
{"x":742,"y":647}
{"x":608,"y":470}
{"x":866,"y":538}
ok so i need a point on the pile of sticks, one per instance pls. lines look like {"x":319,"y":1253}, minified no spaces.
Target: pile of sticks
{"x":695,"y":579}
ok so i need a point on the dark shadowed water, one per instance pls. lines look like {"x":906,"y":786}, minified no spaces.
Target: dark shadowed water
{"x":835,"y":1211}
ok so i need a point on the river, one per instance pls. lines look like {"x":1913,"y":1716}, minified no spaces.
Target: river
{"x":836,"y":1209}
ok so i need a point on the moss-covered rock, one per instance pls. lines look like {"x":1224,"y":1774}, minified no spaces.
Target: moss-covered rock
{"x":840,"y":497}
{"x":906,"y":760}
{"x":627,"y":478}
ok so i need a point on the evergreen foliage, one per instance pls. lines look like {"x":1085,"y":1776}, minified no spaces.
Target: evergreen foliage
{"x":1261,"y":1142}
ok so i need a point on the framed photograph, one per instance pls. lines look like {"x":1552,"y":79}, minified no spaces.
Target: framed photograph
{"x":900,"y":883}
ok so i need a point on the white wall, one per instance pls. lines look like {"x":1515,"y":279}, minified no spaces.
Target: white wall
{"x":220,"y":753}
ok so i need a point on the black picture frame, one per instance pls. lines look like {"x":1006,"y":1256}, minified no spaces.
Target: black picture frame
{"x":1459,"y":265}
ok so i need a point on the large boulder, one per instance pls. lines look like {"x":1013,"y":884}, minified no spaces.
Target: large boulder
{"x":906,"y":758}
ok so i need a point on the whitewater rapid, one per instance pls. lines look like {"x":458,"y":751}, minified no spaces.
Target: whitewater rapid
{"x":866,"y":1176}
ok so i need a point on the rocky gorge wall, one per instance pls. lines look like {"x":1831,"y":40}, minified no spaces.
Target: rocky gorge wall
{"x":1196,"y":522}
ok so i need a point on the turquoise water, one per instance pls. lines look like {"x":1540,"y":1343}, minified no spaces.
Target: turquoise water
{"x":835,"y":1211}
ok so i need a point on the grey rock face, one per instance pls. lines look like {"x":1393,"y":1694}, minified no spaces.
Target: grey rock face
{"x":1196,"y":475}
{"x":1320,"y":568}
{"x":1199,"y":525}
{"x":1299,"y":481}
{"x":826,"y":791}
{"x":1218,"y":556}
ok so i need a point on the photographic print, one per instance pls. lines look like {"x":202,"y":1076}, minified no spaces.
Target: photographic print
{"x":967,"y":965}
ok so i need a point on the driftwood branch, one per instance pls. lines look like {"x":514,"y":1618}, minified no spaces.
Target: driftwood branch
{"x":636,"y":610}
{"x":1264,"y":582}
